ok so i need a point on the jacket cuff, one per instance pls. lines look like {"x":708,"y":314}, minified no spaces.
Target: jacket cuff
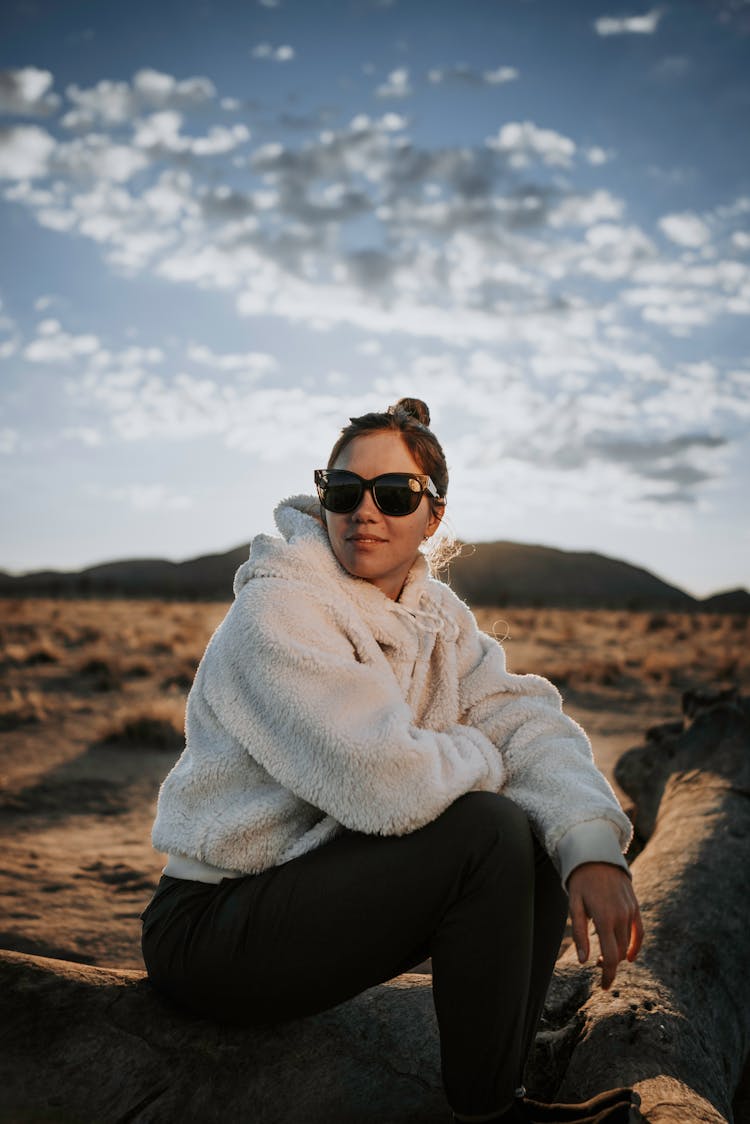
{"x":182,"y":866}
{"x":594,"y":841}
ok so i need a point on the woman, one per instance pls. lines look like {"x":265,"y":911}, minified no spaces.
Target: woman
{"x":364,"y":785}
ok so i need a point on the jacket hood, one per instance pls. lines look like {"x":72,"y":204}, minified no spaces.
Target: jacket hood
{"x":303,"y":543}
{"x":303,"y":553}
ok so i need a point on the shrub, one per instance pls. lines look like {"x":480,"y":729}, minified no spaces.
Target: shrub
{"x":100,"y":674}
{"x":21,"y":709}
{"x":148,"y":729}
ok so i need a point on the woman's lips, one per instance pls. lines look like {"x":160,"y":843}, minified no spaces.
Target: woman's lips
{"x":364,"y":540}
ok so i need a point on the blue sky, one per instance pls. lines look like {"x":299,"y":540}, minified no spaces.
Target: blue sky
{"x":227,"y":227}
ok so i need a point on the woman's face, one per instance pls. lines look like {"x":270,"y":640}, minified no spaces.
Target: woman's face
{"x":380,"y":548}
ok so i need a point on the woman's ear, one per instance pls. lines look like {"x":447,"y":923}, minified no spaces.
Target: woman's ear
{"x":436,"y":515}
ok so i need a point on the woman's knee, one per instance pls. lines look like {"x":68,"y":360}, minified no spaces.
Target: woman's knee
{"x":494,"y":819}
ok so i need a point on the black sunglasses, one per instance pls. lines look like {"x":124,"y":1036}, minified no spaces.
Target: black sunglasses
{"x":395,"y":493}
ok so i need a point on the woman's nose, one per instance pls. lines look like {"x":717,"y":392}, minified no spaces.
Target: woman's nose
{"x":366,"y":508}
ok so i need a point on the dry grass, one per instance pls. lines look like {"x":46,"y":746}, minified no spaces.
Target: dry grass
{"x":625,"y":656}
{"x":21,"y":708}
{"x":91,"y":714}
{"x":144,"y":651}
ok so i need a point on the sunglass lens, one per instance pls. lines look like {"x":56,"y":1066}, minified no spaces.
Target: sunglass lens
{"x":342,"y":495}
{"x":394,"y":496}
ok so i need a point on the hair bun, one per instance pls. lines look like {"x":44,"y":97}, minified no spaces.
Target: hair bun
{"x":414,"y":407}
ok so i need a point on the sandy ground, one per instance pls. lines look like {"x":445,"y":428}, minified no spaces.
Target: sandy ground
{"x":92,"y":699}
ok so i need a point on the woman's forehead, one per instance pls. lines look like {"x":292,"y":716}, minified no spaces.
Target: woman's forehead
{"x":370,"y":454}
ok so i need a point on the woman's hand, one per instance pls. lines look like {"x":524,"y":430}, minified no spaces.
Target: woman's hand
{"x":604,"y":893}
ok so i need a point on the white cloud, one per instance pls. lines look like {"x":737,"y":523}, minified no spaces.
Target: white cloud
{"x":152,"y":497}
{"x":85,"y":434}
{"x":396,"y":84}
{"x":47,"y":300}
{"x":160,"y":133}
{"x":116,"y":103}
{"x":26,"y":92}
{"x":645,"y":24}
{"x":171,"y":198}
{"x":523,"y":141}
{"x":679,"y":317}
{"x":125,"y":225}
{"x":585,"y":210}
{"x":284,"y":53}
{"x":671,"y":67}
{"x":141,"y":405}
{"x":96,"y":156}
{"x":453,"y":253}
{"x":153,"y":87}
{"x":54,"y":345}
{"x":615,"y":251}
{"x":10,"y":439}
{"x":370,"y":348}
{"x":112,"y":103}
{"x":250,"y":364}
{"x":680,"y":300}
{"x":25,"y":152}
{"x":597,"y":155}
{"x":8,"y":329}
{"x":686,"y":229}
{"x":471,"y":77}
{"x":556,"y":401}
{"x":500,"y":75}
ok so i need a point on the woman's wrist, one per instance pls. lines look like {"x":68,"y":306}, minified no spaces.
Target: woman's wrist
{"x":592,"y":841}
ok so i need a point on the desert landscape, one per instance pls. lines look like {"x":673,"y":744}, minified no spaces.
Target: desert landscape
{"x":91,"y":712}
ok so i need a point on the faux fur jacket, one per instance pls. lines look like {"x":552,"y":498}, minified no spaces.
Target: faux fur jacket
{"x":321,"y":702}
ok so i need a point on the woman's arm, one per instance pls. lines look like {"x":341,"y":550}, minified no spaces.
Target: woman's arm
{"x":549,"y":764}
{"x":326,"y":717}
{"x":552,"y":775}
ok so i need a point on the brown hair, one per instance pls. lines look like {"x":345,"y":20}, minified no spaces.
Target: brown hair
{"x":410,"y":419}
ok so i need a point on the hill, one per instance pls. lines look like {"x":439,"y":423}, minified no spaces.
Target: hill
{"x":503,"y":573}
{"x":208,"y":577}
{"x":497,"y":573}
{"x":731,"y":601}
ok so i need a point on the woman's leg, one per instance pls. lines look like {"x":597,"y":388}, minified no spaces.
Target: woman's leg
{"x":359,"y":910}
{"x":490,"y":983}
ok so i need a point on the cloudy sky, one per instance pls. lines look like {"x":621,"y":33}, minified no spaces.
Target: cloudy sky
{"x":228,"y":226}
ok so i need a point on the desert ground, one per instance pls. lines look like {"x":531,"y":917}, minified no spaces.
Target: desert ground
{"x":92,"y":701}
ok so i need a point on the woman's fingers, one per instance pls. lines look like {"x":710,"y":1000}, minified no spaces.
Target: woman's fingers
{"x":580,"y":924}
{"x":610,"y":957}
{"x":604,"y":894}
{"x":636,"y":935}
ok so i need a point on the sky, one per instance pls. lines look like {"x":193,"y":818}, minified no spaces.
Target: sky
{"x":225,"y":228}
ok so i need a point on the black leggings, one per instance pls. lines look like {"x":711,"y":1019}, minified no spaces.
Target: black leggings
{"x":472,"y":889}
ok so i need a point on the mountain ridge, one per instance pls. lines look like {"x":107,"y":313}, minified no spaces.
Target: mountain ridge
{"x":490,"y":573}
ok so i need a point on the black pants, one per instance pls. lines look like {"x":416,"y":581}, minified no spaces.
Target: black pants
{"x":472,"y":889}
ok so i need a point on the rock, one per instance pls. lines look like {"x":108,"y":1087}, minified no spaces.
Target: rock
{"x":82,"y":1044}
{"x":676,"y":1023}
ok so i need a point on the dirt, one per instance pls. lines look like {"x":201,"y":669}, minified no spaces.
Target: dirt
{"x":92,"y":700}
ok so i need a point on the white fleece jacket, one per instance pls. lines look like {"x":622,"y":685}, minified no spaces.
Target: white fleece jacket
{"x":321,"y":702}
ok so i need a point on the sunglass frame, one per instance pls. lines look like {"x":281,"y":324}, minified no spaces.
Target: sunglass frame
{"x":426,"y":485}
